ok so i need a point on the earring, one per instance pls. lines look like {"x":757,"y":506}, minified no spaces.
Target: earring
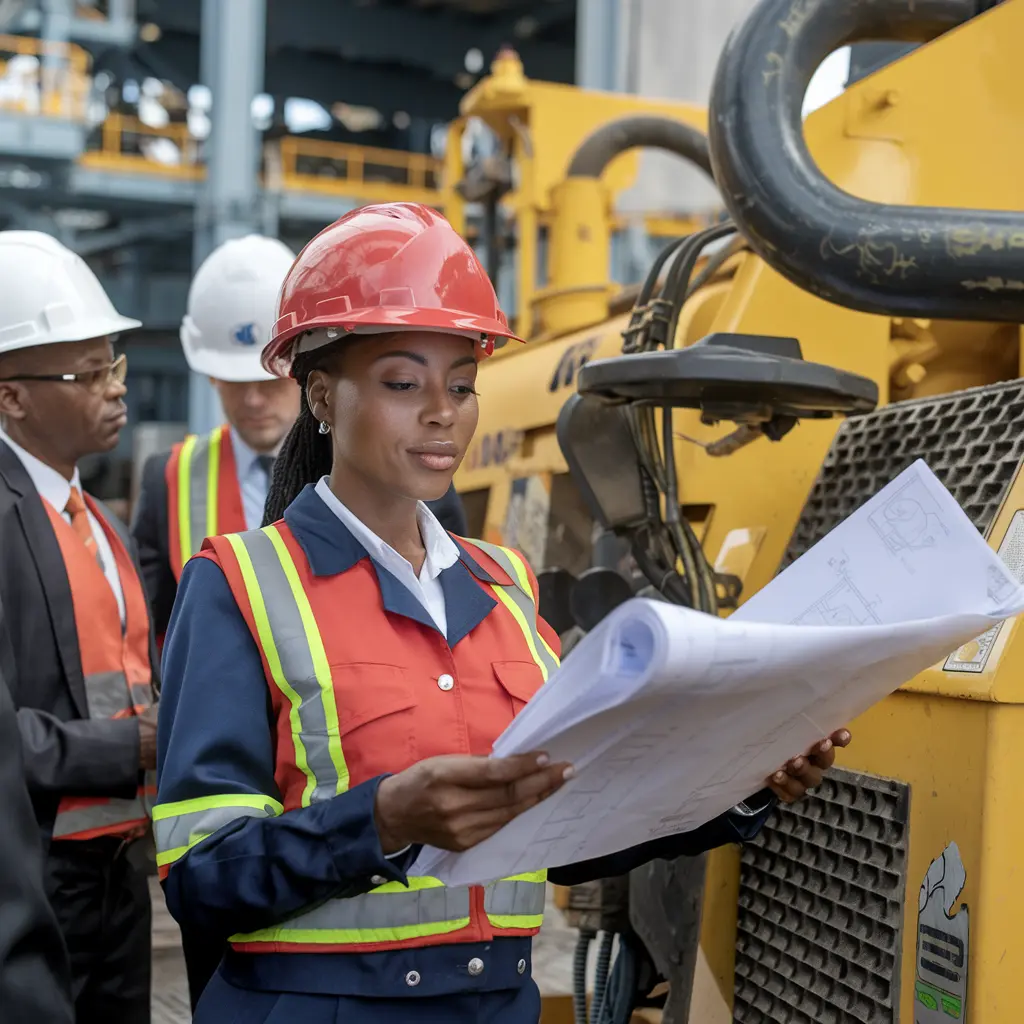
{"x":325,"y":428}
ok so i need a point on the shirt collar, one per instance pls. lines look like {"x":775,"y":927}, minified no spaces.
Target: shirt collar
{"x":441,"y":552}
{"x":331,"y":547}
{"x":46,"y":480}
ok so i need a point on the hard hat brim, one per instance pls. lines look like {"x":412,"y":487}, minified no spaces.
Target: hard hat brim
{"x":80,"y":330}
{"x":243,"y":368}
{"x":278,"y":355}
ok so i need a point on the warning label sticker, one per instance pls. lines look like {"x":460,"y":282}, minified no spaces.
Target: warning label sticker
{"x":973,"y":656}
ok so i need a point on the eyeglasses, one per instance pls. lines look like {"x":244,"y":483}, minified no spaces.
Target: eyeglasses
{"x":95,"y":380}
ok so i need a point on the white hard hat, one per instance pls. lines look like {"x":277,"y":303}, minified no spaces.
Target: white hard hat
{"x":49,"y":295}
{"x":232,"y":307}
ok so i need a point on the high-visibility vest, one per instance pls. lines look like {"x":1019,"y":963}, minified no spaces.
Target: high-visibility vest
{"x":341,"y":721}
{"x":117,"y":671}
{"x":203,"y":496}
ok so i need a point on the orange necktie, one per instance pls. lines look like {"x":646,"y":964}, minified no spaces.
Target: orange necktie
{"x":80,"y":521}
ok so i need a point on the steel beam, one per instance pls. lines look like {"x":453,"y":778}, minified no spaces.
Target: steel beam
{"x":232,"y":64}
{"x":601,"y":44}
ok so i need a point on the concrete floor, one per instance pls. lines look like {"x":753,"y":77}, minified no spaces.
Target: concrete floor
{"x":552,"y":961}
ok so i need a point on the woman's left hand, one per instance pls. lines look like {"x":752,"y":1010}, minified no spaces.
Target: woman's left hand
{"x":792,"y":781}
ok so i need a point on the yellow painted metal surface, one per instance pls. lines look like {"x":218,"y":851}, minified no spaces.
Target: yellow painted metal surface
{"x":944,"y":126}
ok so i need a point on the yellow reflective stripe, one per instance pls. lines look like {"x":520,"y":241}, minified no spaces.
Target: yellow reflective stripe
{"x":259,"y":614}
{"x":212,"y":480}
{"x":524,"y":583}
{"x":318,"y":654}
{"x":185,"y":497}
{"x":528,"y":876}
{"x":421,"y":882}
{"x":352,"y":936}
{"x":512,"y":921}
{"x":245,"y":803}
{"x":524,"y":626}
{"x":206,"y":803}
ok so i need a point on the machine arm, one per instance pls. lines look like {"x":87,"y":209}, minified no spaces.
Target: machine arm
{"x":893,"y":260}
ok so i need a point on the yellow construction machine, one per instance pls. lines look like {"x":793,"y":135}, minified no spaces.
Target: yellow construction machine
{"x":690,"y":441}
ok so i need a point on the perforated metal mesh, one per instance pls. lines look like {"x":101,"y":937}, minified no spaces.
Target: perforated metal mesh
{"x":821,"y":907}
{"x":822,"y":888}
{"x":972,"y":440}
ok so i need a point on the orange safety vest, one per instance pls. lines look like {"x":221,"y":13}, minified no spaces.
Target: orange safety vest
{"x":117,"y":670}
{"x":357,"y":693}
{"x":203,"y":496}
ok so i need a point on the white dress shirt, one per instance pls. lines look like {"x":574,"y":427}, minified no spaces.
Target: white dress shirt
{"x":253,"y":481}
{"x":441,"y":553}
{"x":55,"y":491}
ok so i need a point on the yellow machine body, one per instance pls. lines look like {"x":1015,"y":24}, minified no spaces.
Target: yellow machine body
{"x":945,"y":127}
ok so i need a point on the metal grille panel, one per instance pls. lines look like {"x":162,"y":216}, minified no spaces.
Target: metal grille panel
{"x":821,"y":907}
{"x":822,"y":888}
{"x":973,"y":441}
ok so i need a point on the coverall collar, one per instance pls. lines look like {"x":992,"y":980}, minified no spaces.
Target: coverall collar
{"x":331,"y":549}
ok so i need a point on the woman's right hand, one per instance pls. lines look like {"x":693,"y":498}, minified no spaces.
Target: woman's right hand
{"x":456,"y":802}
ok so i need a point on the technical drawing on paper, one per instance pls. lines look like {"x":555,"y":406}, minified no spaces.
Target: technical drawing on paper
{"x":842,"y":605}
{"x":910,"y":519}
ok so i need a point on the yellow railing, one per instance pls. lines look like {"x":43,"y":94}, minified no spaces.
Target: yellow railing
{"x":58,"y":84}
{"x":359,"y":172}
{"x":121,"y":142}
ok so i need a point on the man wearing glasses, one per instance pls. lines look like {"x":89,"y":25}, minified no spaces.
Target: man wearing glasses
{"x":76,"y":620}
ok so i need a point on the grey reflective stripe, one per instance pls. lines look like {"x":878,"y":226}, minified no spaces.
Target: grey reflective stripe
{"x":386,"y":910}
{"x":292,"y":643}
{"x":523,"y":600}
{"x":518,"y":898}
{"x":84,"y":819}
{"x":183,"y":830}
{"x":198,"y":494}
{"x":141,"y":694}
{"x":106,"y":694}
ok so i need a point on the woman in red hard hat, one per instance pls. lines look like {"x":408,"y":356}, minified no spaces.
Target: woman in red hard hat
{"x":333,"y":683}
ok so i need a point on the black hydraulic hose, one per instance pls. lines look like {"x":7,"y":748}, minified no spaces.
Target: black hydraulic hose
{"x":579,"y":978}
{"x":602,"y":146}
{"x":604,"y":962}
{"x":879,"y":258}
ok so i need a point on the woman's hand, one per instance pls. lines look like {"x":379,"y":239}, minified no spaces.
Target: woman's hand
{"x":792,"y":781}
{"x":456,"y":802}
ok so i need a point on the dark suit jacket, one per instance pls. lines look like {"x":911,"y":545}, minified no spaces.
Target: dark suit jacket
{"x":35,"y":983}
{"x":150,"y":529}
{"x":64,"y":751}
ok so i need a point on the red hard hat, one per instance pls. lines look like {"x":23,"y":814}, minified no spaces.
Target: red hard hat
{"x":396,"y":266}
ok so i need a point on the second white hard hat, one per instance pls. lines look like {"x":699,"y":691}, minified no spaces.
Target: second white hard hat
{"x":232,"y":307}
{"x":48,"y":295}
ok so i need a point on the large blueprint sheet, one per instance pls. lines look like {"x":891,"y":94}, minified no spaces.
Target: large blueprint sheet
{"x":672,"y":717}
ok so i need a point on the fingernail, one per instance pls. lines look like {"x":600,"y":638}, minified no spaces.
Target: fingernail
{"x":568,"y":773}
{"x":779,"y":776}
{"x":826,"y":745}
{"x":846,"y":736}
{"x":798,"y":763}
{"x":543,"y":760}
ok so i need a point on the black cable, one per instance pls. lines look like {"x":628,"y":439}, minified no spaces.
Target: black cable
{"x":604,"y":959}
{"x":579,"y":978}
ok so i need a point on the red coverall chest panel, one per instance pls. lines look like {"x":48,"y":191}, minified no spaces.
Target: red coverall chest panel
{"x":402,"y":694}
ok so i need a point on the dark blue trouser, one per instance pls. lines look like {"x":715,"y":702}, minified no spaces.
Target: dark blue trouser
{"x":222,"y":1003}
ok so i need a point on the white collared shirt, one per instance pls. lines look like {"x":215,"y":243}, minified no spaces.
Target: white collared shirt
{"x":253,"y":482}
{"x":441,"y":553}
{"x":55,"y":491}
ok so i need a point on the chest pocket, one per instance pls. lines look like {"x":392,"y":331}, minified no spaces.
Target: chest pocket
{"x":376,"y":717}
{"x":520,"y":680}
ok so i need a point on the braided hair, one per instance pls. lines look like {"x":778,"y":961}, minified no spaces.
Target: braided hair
{"x":306,"y":454}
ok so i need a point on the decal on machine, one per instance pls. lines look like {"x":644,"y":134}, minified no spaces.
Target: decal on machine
{"x":973,"y":656}
{"x":940,"y":983}
{"x":526,"y":521}
{"x":574,"y":358}
{"x":494,"y":449}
